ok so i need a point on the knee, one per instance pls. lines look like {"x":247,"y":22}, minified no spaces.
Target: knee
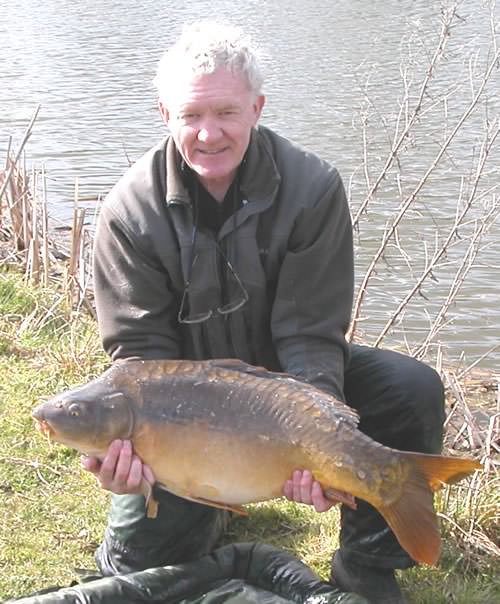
{"x":400,"y":400}
{"x":421,"y":390}
{"x":422,"y":384}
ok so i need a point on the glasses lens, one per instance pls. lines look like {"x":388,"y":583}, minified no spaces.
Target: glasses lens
{"x":199,"y":318}
{"x":232,"y":306}
{"x":194,"y":318}
{"x":237,"y":290}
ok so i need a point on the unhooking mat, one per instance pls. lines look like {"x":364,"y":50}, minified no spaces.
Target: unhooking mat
{"x":240,"y":573}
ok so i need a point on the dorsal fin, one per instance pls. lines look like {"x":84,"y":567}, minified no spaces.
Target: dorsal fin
{"x":241,"y":366}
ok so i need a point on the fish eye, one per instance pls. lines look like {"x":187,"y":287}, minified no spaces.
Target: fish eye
{"x":74,"y":410}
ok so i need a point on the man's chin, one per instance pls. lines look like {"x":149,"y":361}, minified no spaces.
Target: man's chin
{"x":209,"y":174}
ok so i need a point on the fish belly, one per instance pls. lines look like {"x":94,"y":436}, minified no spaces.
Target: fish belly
{"x":197,"y":461}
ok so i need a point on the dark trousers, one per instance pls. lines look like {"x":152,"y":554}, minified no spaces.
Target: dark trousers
{"x":401,"y":404}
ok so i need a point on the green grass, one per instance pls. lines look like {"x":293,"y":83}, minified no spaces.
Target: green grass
{"x":53,"y":514}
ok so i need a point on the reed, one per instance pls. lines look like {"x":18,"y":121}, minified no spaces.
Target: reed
{"x":27,"y":239}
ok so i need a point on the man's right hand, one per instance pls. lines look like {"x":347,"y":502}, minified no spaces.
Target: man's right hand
{"x":120,"y":471}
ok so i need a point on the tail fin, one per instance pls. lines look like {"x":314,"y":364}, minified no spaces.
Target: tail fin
{"x":412,"y":516}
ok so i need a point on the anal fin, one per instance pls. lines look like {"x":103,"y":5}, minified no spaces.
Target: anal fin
{"x":237,"y":509}
{"x":151,"y":503}
{"x":341,"y":497}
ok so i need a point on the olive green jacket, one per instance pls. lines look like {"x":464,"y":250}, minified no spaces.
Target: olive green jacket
{"x":290,"y":243}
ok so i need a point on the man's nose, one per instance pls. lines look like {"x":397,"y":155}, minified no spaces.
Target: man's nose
{"x":209,"y":131}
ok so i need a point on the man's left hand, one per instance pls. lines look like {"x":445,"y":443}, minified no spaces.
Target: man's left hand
{"x":302,"y":488}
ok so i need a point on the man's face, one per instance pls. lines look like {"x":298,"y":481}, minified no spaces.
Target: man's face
{"x":211,"y":117}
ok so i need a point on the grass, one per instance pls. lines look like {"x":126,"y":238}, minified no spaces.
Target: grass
{"x":53,"y":514}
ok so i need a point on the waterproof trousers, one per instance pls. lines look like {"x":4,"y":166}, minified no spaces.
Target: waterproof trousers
{"x":401,"y":404}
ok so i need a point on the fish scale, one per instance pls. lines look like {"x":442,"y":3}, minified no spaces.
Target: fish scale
{"x":225,"y":433}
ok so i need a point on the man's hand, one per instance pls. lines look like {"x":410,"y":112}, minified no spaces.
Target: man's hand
{"x":120,"y":471}
{"x":302,"y":488}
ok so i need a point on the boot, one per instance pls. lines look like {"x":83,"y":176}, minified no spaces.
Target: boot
{"x":377,"y":585}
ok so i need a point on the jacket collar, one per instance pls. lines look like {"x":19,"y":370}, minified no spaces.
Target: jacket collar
{"x":260,"y":177}
{"x":177,"y":191}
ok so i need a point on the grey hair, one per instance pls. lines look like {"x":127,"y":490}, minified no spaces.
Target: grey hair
{"x":204,"y":47}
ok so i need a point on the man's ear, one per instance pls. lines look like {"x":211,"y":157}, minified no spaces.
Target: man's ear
{"x":163,"y":112}
{"x":258,"y":106}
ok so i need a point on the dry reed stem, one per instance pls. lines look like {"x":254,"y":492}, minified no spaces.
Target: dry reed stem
{"x":45,"y":232}
{"x":27,"y":202}
{"x":24,"y":140}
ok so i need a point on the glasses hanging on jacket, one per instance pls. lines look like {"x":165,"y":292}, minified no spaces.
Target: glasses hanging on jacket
{"x":238,"y":295}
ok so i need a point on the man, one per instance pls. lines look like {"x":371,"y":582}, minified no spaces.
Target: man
{"x":226,"y":240}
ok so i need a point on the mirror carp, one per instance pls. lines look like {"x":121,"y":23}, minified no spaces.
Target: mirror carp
{"x":224,"y":433}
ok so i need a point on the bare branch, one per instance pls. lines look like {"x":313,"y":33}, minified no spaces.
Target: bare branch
{"x":459,"y":221}
{"x":389,"y":232}
{"x":410,"y":121}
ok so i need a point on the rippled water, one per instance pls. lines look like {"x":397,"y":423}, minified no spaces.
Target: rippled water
{"x":328,"y":63}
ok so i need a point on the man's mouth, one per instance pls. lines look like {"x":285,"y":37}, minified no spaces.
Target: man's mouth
{"x":212,"y":151}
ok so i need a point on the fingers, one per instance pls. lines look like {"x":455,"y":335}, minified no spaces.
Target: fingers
{"x":91,"y":464}
{"x":120,"y":471}
{"x":319,"y":501}
{"x":118,"y":465}
{"x":302,"y":488}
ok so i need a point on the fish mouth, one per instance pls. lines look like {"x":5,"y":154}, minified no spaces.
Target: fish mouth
{"x":44,"y":428}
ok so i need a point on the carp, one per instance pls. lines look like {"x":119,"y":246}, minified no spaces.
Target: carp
{"x":224,"y":433}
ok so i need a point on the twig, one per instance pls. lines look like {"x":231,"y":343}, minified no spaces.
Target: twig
{"x":399,"y":138}
{"x":461,"y":374}
{"x":25,"y":462}
{"x":476,"y":538}
{"x":460,"y":275}
{"x":389,"y":233}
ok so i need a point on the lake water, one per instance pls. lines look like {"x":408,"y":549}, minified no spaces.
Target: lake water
{"x":330,"y":67}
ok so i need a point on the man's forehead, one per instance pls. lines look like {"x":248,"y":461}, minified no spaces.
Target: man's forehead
{"x":206,"y":101}
{"x":198,"y":87}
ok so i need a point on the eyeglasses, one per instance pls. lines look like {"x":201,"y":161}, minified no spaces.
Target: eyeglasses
{"x":240,"y":300}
